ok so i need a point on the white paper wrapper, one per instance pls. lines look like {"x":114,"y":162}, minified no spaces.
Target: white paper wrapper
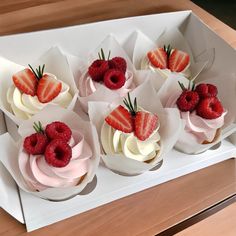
{"x":103,"y":93}
{"x":227,"y":96}
{"x":46,"y":116}
{"x":173,"y":37}
{"x":55,"y":63}
{"x":170,"y":128}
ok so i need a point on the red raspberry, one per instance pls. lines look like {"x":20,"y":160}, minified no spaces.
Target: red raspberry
{"x":210,"y":108}
{"x":58,"y":130}
{"x":118,"y":63}
{"x":97,"y":69}
{"x":188,"y":100}
{"x":35,"y":144}
{"x":206,"y":90}
{"x":114,"y":79}
{"x":58,"y":153}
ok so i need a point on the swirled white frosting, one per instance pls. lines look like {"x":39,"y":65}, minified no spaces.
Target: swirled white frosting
{"x":127,"y":144}
{"x":24,"y":106}
{"x":39,"y":175}
{"x":87,"y":86}
{"x":200,"y":128}
{"x":147,"y":65}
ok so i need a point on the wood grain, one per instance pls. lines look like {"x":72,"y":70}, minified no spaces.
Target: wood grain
{"x":27,"y":15}
{"x":225,"y":219}
{"x":150,"y":211}
{"x":145,"y":213}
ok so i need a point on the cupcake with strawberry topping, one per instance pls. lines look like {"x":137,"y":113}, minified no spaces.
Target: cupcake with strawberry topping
{"x":105,"y":79}
{"x":135,"y":133}
{"x":33,"y":89}
{"x":26,"y":90}
{"x":165,"y":60}
{"x":131,"y":131}
{"x":57,"y":156}
{"x":169,"y":54}
{"x":202,"y":112}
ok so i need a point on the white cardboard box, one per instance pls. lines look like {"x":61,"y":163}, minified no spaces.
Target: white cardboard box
{"x":79,"y":40}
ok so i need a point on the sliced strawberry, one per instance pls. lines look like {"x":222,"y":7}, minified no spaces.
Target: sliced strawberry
{"x":144,"y":124}
{"x":25,"y":81}
{"x":158,"y":58}
{"x":48,"y":88}
{"x":120,"y":119}
{"x":178,"y":60}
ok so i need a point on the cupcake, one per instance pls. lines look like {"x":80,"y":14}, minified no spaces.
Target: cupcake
{"x":135,"y":134}
{"x":107,"y":76}
{"x":54,"y":157}
{"x":202,"y":112}
{"x":58,"y":154}
{"x":25,"y":91}
{"x":33,"y":89}
{"x":131,"y":132}
{"x":168,"y":54}
{"x":165,"y":60}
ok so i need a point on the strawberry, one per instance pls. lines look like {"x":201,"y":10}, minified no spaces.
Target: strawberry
{"x":210,"y":108}
{"x":178,"y":60}
{"x":158,"y":58}
{"x":120,"y":119}
{"x":25,"y":81}
{"x":206,"y":90}
{"x":144,"y":124}
{"x":48,"y":88}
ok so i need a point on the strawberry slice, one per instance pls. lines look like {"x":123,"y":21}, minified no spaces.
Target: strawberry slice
{"x":144,"y":124}
{"x":158,"y":58}
{"x":178,"y":60}
{"x":48,"y":88}
{"x":120,"y":119}
{"x":25,"y":81}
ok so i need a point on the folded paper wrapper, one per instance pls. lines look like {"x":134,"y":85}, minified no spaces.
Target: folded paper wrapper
{"x":103,"y":93}
{"x":55,"y":63}
{"x":142,"y":44}
{"x":48,"y":115}
{"x":170,"y":128}
{"x":227,"y":95}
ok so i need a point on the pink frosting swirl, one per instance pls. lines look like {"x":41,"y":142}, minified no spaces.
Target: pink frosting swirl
{"x":201,"y":129}
{"x":39,"y":175}
{"x":87,"y":86}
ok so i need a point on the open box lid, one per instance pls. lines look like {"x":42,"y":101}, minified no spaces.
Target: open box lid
{"x":172,"y":168}
{"x":9,"y":197}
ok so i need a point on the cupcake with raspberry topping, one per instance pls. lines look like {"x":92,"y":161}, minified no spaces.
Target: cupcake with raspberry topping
{"x":107,"y":77}
{"x":59,"y":157}
{"x":201,"y":110}
{"x":135,"y":134}
{"x":27,"y":90}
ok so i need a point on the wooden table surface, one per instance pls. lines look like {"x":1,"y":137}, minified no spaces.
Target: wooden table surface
{"x":151,"y":211}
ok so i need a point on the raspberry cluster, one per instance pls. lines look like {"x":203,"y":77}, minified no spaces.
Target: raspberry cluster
{"x":111,"y":71}
{"x":203,"y":99}
{"x":52,"y":143}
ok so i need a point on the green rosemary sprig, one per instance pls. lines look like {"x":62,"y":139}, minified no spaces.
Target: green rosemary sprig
{"x":39,"y":71}
{"x":191,"y":86}
{"x":167,"y":50}
{"x":101,"y":55}
{"x":38,"y":127}
{"x":133,"y":108}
